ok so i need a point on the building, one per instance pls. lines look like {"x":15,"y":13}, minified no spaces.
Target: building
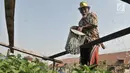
{"x":119,"y":57}
{"x":110,"y":58}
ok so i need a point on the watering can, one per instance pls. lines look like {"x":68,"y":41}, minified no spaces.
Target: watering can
{"x":75,"y":40}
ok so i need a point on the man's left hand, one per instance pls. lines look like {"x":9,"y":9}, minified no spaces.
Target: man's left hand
{"x":102,"y":45}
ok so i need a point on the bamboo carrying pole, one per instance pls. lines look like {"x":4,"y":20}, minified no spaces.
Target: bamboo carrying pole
{"x":26,"y":52}
{"x":100,"y":40}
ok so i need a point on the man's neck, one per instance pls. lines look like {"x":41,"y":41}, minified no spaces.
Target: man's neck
{"x":84,"y":16}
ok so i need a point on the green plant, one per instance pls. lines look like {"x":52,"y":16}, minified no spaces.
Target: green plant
{"x":87,"y":69}
{"x":16,"y":64}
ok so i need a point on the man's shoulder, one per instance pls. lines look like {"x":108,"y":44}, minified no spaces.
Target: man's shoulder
{"x":92,"y":17}
{"x":93,"y":14}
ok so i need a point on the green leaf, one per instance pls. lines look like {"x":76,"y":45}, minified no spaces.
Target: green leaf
{"x":77,"y":70}
{"x":18,"y":56}
{"x":87,"y":69}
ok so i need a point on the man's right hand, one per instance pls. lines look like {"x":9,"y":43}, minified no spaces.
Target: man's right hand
{"x":80,"y":29}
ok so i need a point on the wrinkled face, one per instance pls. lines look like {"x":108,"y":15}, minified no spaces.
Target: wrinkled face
{"x":84,"y":10}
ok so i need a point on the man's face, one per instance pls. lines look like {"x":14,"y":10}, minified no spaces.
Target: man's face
{"x":84,"y":10}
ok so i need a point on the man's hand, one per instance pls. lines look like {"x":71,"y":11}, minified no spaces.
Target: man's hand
{"x":87,"y":26}
{"x":102,"y":45}
{"x":80,"y":29}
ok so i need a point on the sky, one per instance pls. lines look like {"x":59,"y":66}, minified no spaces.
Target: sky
{"x":43,"y":26}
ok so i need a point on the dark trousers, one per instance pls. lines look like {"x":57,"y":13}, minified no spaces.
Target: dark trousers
{"x":85,"y":56}
{"x":89,"y":56}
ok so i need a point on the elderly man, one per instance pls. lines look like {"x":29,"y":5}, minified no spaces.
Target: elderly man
{"x":88,"y":25}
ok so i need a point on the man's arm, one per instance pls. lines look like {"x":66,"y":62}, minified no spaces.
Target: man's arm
{"x":95,"y":24}
{"x":102,"y":45}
